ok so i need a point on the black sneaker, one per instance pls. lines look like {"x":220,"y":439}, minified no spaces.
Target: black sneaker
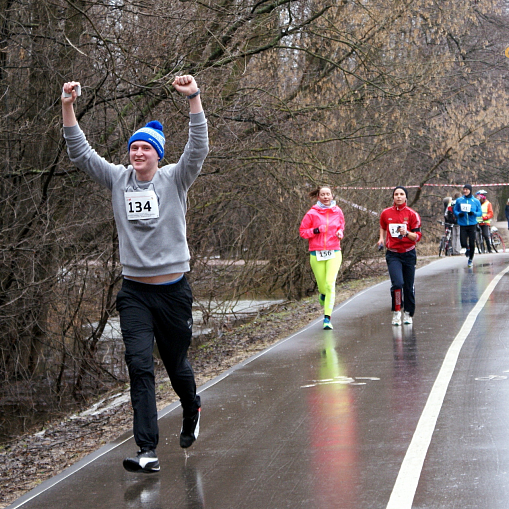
{"x":146,"y":461}
{"x":190,"y":430}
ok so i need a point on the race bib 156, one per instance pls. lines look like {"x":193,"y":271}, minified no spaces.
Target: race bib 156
{"x":325,"y":255}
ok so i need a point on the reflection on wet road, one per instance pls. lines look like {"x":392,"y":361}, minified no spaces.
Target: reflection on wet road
{"x":333,"y":431}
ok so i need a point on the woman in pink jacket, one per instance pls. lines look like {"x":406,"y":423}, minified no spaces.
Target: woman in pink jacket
{"x":323,"y":226}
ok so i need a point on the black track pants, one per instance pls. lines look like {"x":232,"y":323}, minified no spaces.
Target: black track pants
{"x":467,"y":233}
{"x":402,"y":272}
{"x":163,"y":312}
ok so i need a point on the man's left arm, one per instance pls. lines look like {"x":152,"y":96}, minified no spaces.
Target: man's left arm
{"x":187,"y":86}
{"x":197,"y":147}
{"x":479,"y":209}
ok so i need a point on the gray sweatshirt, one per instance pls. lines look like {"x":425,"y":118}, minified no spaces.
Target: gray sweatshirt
{"x":154,"y":246}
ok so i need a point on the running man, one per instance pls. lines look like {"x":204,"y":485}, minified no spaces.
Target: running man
{"x":467,"y":209}
{"x":149,"y":204}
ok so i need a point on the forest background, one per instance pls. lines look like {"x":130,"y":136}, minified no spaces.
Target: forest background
{"x":360,"y":95}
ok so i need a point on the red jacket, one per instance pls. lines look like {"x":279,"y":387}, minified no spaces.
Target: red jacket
{"x":392,"y":217}
{"x":329,"y":220}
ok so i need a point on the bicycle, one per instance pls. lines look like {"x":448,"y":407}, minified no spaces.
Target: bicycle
{"x":479,"y":240}
{"x":496,"y":241}
{"x":445,"y":245}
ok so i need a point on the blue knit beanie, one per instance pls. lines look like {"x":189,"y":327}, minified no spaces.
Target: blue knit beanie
{"x":152,"y":133}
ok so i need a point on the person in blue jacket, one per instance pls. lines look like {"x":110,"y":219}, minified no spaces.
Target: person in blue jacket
{"x":467,"y":209}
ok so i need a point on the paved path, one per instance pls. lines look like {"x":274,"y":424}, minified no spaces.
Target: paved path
{"x":365,"y":416}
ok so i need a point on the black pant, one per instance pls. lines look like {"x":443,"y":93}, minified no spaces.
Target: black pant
{"x":468,"y":233}
{"x":163,"y":312}
{"x":485,"y":229}
{"x":402,"y":272}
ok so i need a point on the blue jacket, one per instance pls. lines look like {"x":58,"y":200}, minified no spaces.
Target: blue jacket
{"x":467,"y":218}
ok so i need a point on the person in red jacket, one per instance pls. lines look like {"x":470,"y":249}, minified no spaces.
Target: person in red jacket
{"x":400,"y":230}
{"x":323,"y":226}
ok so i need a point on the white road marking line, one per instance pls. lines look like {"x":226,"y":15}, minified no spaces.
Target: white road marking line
{"x":489,"y":378}
{"x":403,"y":493}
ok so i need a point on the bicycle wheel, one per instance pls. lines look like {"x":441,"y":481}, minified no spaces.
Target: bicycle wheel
{"x":497,"y":242}
{"x":441,"y":246}
{"x":494,"y":243}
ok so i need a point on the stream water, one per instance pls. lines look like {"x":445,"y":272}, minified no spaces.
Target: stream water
{"x":18,"y":416}
{"x":229,"y":312}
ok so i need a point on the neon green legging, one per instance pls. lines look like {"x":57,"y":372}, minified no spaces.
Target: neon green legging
{"x":326,"y":272}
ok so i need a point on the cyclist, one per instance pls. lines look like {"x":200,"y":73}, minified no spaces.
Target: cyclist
{"x":467,"y":209}
{"x":484,"y":221}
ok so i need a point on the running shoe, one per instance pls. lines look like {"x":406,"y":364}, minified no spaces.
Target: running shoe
{"x":326,"y":324}
{"x":396,"y":318}
{"x":190,"y":430}
{"x":146,"y":461}
{"x":321,"y":299}
{"x":407,"y":318}
{"x":469,"y":263}
{"x":467,"y":252}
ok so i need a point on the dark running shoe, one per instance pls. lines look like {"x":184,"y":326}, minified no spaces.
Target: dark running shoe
{"x":146,"y":461}
{"x":190,"y":430}
{"x":321,"y":299}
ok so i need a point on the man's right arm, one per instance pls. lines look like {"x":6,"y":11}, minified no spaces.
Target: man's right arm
{"x":78,"y":148}
{"x":383,"y":231}
{"x":457,"y":209}
{"x":68,"y":115}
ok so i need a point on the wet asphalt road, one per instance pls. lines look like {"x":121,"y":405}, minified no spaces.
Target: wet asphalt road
{"x":365,"y":416}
